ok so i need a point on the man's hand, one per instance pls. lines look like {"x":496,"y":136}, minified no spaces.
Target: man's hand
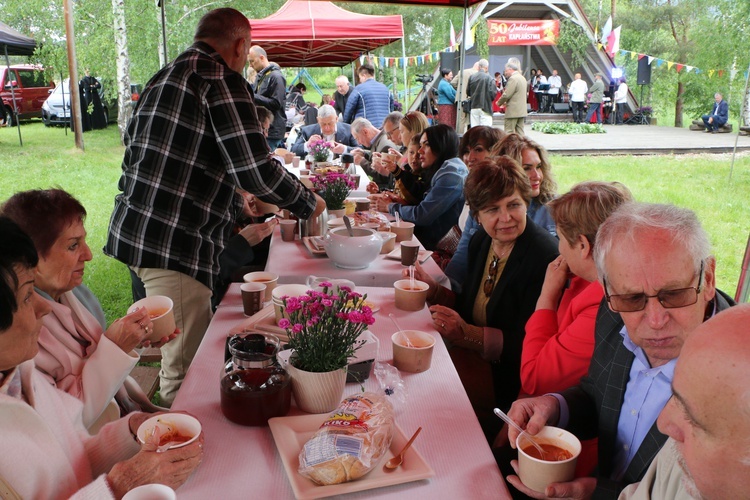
{"x":255,"y":233}
{"x":313,"y":139}
{"x":532,"y":414}
{"x":577,"y":489}
{"x":338,"y":148}
{"x":359,"y":156}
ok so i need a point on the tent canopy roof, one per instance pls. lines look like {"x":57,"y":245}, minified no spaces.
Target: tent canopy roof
{"x":435,"y":3}
{"x":15,"y":43}
{"x":317,"y":33}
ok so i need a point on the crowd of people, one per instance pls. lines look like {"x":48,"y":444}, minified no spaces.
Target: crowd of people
{"x":587,"y":310}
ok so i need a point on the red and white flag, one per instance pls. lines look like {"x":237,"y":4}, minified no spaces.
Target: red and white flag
{"x":613,"y":42}
{"x":453,"y":35}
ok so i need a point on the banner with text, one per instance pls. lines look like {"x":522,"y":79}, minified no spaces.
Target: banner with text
{"x":516,"y":32}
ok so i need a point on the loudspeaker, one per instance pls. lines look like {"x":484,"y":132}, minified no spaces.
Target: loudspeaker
{"x":644,"y":71}
{"x":561,"y":107}
{"x":450,"y":60}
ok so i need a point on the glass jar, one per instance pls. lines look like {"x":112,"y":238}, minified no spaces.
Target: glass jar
{"x":254,"y":387}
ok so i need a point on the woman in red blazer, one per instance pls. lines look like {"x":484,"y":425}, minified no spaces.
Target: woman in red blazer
{"x":559,"y":338}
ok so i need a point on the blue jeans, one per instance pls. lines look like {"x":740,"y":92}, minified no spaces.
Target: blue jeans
{"x":718,"y":122}
{"x":593,"y":108}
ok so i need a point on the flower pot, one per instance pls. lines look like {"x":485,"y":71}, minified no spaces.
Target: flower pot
{"x":317,"y":392}
{"x":337,"y":213}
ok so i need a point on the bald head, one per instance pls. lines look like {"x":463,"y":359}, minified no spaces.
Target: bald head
{"x":709,"y":415}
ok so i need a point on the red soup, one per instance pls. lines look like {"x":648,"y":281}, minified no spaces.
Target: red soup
{"x":552,"y":453}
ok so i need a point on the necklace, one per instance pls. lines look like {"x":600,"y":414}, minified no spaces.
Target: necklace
{"x":489,"y":282}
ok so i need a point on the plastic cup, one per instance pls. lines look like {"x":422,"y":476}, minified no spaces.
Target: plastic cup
{"x":362,"y":204}
{"x":404,"y":230}
{"x":409,"y":252}
{"x":161,"y":311}
{"x":288,"y":228}
{"x":408,"y":298}
{"x":412,"y":350}
{"x":538,"y":474}
{"x":252,"y":297}
{"x":295,"y":162}
{"x":268,"y":279}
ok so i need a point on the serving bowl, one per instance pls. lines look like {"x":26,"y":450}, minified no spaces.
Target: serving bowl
{"x":353,"y":252}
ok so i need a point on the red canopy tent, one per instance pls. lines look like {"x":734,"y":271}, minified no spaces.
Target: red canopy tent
{"x":306,"y":33}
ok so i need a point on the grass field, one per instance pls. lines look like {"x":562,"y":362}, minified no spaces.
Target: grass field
{"x":699,"y":182}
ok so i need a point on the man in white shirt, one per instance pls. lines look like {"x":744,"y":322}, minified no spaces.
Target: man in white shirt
{"x":578,"y":89}
{"x":555,"y":84}
{"x":621,"y":100}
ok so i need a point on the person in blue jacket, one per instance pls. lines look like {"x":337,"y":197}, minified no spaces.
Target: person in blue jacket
{"x":446,"y":99}
{"x":370,"y":99}
{"x":719,"y":114}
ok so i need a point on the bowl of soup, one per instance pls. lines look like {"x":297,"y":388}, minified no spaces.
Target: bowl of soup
{"x":161,"y":312}
{"x":558,"y":463}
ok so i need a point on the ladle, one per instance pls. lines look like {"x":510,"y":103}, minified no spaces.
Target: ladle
{"x":399,"y":459}
{"x":348,"y":226}
{"x":500,"y":413}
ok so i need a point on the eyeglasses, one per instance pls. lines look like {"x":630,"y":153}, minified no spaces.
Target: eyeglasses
{"x":489,"y":282}
{"x":389,"y":134}
{"x":669,"y":299}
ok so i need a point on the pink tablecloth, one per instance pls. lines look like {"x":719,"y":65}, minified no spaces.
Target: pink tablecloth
{"x":294,"y":263}
{"x":242,"y":462}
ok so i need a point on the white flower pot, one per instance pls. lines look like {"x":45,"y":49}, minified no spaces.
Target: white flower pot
{"x":317,"y":392}
{"x":337,"y":213}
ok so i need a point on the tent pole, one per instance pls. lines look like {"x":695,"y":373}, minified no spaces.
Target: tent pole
{"x":407,"y":94}
{"x":462,"y":61}
{"x":75,"y":105}
{"x":13,"y":96}
{"x":164,"y":31}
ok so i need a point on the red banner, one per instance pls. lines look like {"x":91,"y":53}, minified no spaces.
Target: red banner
{"x":518,"y":32}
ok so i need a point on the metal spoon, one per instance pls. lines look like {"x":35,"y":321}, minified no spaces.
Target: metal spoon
{"x":399,"y":459}
{"x":500,"y":413}
{"x":348,"y":226}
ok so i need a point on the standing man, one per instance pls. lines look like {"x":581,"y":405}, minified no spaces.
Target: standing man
{"x":621,"y":100}
{"x":719,"y":114}
{"x":515,"y":97}
{"x":482,"y":92}
{"x":341,"y":96}
{"x":193,"y":141}
{"x":555,"y":84}
{"x":707,"y":417}
{"x":464,"y":76}
{"x":658,"y":275}
{"x":270,"y":92}
{"x":578,"y":90}
{"x":370,"y":99}
{"x":597,"y":96}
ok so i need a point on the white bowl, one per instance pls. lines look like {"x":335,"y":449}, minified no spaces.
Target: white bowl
{"x":185,"y":425}
{"x":353,"y":252}
{"x":160,"y":310}
{"x":282,"y":291}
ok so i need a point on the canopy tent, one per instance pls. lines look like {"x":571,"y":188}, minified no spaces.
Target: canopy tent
{"x":13,"y":43}
{"x":304,"y":33}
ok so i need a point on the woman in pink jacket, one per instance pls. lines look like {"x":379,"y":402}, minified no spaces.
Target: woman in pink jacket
{"x":559,"y":338}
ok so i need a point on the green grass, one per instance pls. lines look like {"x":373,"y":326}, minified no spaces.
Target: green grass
{"x":700,"y":182}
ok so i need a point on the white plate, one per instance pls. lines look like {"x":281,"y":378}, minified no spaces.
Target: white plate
{"x":291,"y":434}
{"x":395,"y":254}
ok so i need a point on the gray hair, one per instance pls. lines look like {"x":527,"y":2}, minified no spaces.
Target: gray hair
{"x":483,"y":63}
{"x":222,"y":26}
{"x":359,"y":124}
{"x":513,"y":64}
{"x":326,"y":110}
{"x":394,"y":118}
{"x":342,"y":78}
{"x":633,"y":221}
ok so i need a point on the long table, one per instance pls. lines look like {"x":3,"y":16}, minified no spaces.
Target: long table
{"x":293,"y":263}
{"x":242,"y":462}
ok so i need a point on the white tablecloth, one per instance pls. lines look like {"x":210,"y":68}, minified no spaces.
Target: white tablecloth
{"x":242,"y":462}
{"x":293,"y":263}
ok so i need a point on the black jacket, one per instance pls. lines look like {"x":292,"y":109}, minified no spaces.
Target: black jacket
{"x":270,"y":92}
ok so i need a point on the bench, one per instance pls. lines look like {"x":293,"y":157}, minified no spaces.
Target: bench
{"x":698,"y":125}
{"x":151,"y":355}
{"x":147,"y":378}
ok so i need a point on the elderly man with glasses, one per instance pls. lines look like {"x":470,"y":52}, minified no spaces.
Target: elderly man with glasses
{"x":658,"y":275}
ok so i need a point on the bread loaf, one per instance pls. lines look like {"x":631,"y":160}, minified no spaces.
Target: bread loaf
{"x":351,"y":441}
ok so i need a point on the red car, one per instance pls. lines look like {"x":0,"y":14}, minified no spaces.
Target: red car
{"x":30,"y":89}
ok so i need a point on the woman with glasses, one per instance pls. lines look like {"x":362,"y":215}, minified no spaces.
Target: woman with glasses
{"x":484,"y":323}
{"x":560,"y":334}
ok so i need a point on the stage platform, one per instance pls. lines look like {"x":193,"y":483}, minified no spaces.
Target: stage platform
{"x":631,"y":139}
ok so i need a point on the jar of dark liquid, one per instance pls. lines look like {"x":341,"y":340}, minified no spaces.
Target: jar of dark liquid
{"x":254,"y":387}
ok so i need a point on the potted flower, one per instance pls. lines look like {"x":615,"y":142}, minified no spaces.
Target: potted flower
{"x":334,"y":188}
{"x":323,"y":329}
{"x":321,"y":151}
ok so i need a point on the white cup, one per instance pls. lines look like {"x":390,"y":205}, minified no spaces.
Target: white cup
{"x":161,"y":311}
{"x":268,"y":279}
{"x":151,"y":492}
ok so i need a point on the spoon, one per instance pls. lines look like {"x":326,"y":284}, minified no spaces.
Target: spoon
{"x":500,"y":413}
{"x":398,"y":328}
{"x":399,"y":459}
{"x":348,"y":226}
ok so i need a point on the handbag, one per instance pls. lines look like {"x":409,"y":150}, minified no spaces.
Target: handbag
{"x":466,"y":105}
{"x":448,"y":244}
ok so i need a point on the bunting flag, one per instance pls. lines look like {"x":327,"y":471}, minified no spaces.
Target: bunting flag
{"x":607,"y":29}
{"x":679,"y":67}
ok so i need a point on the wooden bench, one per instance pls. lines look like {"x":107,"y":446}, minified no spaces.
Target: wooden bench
{"x":151,"y":355}
{"x":698,"y":125}
{"x":147,"y":378}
